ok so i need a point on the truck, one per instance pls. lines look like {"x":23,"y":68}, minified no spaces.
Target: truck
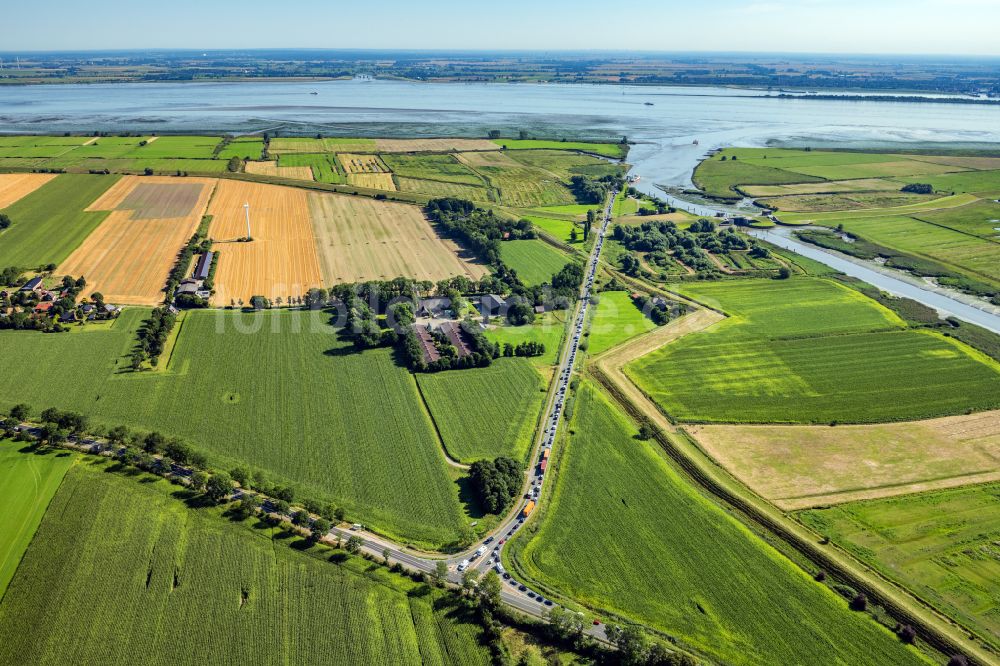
{"x":545,"y":454}
{"x":526,"y":511}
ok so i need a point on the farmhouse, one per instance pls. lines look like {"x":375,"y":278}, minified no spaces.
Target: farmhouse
{"x":426,"y":344}
{"x":490,"y":305}
{"x":456,"y":336}
{"x":204,"y":266}
{"x":43,"y":308}
{"x":34,"y":284}
{"x":433,"y":307}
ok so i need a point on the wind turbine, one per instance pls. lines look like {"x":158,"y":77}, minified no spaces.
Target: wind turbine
{"x":246,"y":209}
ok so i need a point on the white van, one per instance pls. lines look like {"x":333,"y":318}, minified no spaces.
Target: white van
{"x":463,"y":565}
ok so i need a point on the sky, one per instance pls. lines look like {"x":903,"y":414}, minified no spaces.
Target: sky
{"x":954,"y":27}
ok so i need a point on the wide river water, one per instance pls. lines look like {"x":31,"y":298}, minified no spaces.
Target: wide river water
{"x":663,"y":122}
{"x":665,"y":132}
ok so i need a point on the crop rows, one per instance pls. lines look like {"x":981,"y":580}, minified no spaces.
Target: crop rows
{"x":195,"y":589}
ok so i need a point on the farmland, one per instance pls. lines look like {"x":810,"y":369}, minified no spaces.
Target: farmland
{"x":28,"y":482}
{"x":445,"y":168}
{"x":615,"y":150}
{"x":14,"y":186}
{"x":517,"y":184}
{"x":244,"y":148}
{"x":281,"y":260}
{"x":559,"y":229}
{"x":127,"y":258}
{"x":260,"y":390}
{"x":771,"y":361}
{"x":49,"y":223}
{"x":615,"y":320}
{"x":324,"y":167}
{"x":547,"y":329}
{"x":111,"y":548}
{"x":275,"y":169}
{"x":942,"y":545}
{"x":486,"y":412}
{"x":361,"y":239}
{"x":711,"y":577}
{"x":806,"y":466}
{"x":534,"y":261}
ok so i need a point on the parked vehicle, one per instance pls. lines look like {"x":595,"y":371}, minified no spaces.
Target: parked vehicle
{"x":463,"y":565}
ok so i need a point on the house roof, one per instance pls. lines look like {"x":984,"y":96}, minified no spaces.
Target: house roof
{"x":32,"y":284}
{"x":427,"y":344}
{"x":455,"y":337}
{"x":204,"y":266}
{"x":43,"y":307}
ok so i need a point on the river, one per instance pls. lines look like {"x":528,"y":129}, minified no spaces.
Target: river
{"x":664,"y":122}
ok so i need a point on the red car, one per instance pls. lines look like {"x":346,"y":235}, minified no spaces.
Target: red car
{"x":596,"y":622}
{"x":501,"y":542}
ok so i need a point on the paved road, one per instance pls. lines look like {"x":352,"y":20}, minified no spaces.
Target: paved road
{"x":515,"y":593}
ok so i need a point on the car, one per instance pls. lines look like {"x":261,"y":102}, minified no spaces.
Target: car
{"x":531,"y":595}
{"x":488,"y":539}
{"x":547,"y":602}
{"x":597,"y":622}
{"x":463,"y":565}
{"x":522,"y":588}
{"x":511,"y":581}
{"x":502,"y":541}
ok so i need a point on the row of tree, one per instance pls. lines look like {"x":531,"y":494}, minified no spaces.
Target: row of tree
{"x":153,"y":336}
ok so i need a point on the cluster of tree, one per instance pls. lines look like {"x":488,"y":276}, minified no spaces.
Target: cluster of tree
{"x":660,"y":310}
{"x":362,"y":324}
{"x":663,"y":239}
{"x":181,"y":266}
{"x":525,"y":349}
{"x":589,"y":190}
{"x":496,"y":483}
{"x":24,"y":321}
{"x":4,"y":221}
{"x":635,"y":649}
{"x":153,"y":336}
{"x":11,"y":275}
{"x":478,"y":229}
{"x":918,"y":188}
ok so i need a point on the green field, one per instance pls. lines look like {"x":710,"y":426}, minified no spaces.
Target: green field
{"x":624,"y":532}
{"x":566,"y":165}
{"x":50,"y":223}
{"x":965,"y":181}
{"x":615,"y":320}
{"x":437,"y":188}
{"x":558,"y":229}
{"x":800,"y":351}
{"x":27,"y":483}
{"x":942,"y":545}
{"x":324,"y":166}
{"x":547,"y":329}
{"x":607,"y":149}
{"x":248,"y":148}
{"x":122,"y":571}
{"x":485,"y":412}
{"x":717,"y":178}
{"x":279,"y":391}
{"x":534,"y":260}
{"x":300,"y":145}
{"x":432,"y":167}
{"x":188,"y":147}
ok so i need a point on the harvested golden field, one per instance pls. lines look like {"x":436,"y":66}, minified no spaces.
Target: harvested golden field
{"x":827,"y":187}
{"x":128,"y":257}
{"x":362,"y":239}
{"x":798,"y":467}
{"x":431,"y":145}
{"x":354,"y":163}
{"x":272,"y":169}
{"x":13,"y":186}
{"x":374,"y":181}
{"x":281,"y":259}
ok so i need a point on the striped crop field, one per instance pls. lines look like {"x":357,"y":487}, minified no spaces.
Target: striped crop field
{"x":198,"y":589}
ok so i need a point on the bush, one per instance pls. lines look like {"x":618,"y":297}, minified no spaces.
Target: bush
{"x":859,"y":602}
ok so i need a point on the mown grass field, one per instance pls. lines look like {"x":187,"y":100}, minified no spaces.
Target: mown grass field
{"x":48,"y":224}
{"x":485,"y":412}
{"x":516,"y":184}
{"x":615,"y":320}
{"x":444,"y":167}
{"x":565,"y":165}
{"x":643,"y":543}
{"x":28,"y":481}
{"x":260,"y":390}
{"x":534,"y":260}
{"x":188,"y":147}
{"x":547,"y":329}
{"x":717,"y":178}
{"x":243,"y":148}
{"x":559,"y":229}
{"x":942,"y":545}
{"x":805,"y":351}
{"x":123,"y":571}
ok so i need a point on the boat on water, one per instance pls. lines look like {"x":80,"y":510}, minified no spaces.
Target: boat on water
{"x":314,"y":93}
{"x":648,"y":103}
{"x":695,"y":142}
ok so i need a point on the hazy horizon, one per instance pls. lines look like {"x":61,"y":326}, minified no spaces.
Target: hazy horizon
{"x":809,"y":27}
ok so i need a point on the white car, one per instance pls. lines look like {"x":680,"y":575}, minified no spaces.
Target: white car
{"x":463,"y":565}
